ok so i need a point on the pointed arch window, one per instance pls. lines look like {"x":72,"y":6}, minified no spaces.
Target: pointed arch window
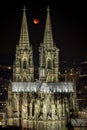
{"x":24,"y":64}
{"x":24,"y":79}
{"x":49,"y":66}
{"x":54,"y":62}
{"x":18,"y":79}
{"x":20,"y":62}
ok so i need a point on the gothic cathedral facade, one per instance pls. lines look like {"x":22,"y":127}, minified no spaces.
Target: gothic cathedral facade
{"x":45,"y":99}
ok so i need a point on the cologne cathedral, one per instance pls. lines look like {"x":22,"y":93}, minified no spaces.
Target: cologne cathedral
{"x":46,"y":99}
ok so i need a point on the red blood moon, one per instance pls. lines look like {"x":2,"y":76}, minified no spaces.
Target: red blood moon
{"x":36,"y":21}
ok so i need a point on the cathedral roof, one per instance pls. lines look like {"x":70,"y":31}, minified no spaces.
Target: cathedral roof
{"x":60,"y":87}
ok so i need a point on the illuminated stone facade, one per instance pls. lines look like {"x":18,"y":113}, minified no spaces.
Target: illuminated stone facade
{"x":49,"y":55}
{"x":23,"y":67}
{"x":46,"y":99}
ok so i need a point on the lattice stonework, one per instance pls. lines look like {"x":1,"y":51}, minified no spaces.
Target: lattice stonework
{"x":45,"y":99}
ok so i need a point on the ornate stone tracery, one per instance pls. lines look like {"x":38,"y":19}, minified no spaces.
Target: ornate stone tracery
{"x":47,"y":99}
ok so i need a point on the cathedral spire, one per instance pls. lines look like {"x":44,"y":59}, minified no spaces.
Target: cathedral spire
{"x":24,"y":37}
{"x":49,"y":55}
{"x":48,"y":38}
{"x":23,"y":68}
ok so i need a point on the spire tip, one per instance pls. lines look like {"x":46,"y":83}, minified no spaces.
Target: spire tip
{"x":24,"y":8}
{"x":48,"y":9}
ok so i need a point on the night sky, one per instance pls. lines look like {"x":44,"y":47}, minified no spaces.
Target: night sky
{"x":69,"y":26}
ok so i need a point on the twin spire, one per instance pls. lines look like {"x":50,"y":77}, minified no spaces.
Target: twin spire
{"x":24,"y":37}
{"x":48,"y":60}
{"x":48,"y":38}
